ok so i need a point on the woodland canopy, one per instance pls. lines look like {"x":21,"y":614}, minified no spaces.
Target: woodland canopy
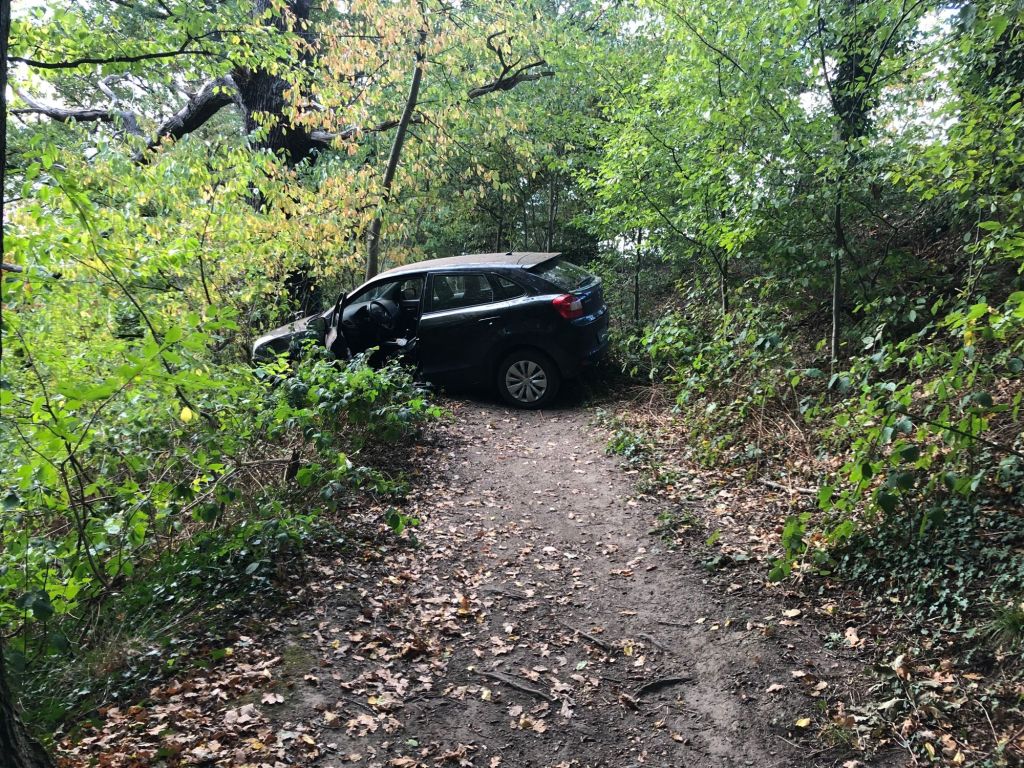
{"x":808,"y":217}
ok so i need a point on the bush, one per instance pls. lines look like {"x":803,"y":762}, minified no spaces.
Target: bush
{"x":118,"y":483}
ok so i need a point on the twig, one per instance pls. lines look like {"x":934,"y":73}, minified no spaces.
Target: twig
{"x":513,"y":682}
{"x":595,"y":640}
{"x":504,"y":592}
{"x":357,"y":703}
{"x":653,"y":641}
{"x":804,"y":757}
{"x":789,"y":488}
{"x":663,"y":682}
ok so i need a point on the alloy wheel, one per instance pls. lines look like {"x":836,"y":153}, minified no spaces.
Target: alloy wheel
{"x":526,"y":381}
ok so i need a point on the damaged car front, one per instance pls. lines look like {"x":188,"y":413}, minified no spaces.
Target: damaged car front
{"x":289,"y":339}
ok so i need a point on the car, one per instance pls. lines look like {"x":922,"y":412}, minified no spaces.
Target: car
{"x":521,"y":322}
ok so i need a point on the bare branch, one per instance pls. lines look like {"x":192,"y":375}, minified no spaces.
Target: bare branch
{"x":506,"y":81}
{"x":325,"y":139}
{"x":212,"y":97}
{"x":119,"y":117}
{"x":184,"y":50}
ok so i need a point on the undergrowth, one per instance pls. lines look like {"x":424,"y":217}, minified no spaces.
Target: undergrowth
{"x":123,"y":536}
{"x":911,"y":453}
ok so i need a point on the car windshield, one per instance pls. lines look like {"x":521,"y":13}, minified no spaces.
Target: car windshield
{"x":408,"y":289}
{"x":563,"y":274}
{"x":373,"y":292}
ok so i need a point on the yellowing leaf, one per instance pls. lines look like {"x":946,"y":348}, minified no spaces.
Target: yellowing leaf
{"x":187,"y":414}
{"x":803,"y":722}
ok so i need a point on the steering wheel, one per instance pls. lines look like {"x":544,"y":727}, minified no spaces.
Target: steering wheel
{"x":386,"y":317}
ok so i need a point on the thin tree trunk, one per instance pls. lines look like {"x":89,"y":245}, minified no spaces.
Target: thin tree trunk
{"x":636,"y":278}
{"x":552,"y":208}
{"x":526,"y":225}
{"x":723,"y":285}
{"x":5,"y":32}
{"x":837,"y":274}
{"x":722,"y":267}
{"x":373,"y":236}
{"x":852,"y":104}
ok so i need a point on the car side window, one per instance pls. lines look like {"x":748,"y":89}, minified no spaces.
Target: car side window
{"x":505,"y":289}
{"x":411,"y":289}
{"x":456,"y":291}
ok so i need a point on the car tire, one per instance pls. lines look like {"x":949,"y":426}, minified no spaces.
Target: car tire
{"x":528,"y":379}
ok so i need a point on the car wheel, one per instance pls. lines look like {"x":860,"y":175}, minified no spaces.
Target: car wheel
{"x":528,"y":379}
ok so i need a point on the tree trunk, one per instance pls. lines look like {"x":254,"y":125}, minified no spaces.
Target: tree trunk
{"x":552,"y":208}
{"x":837,"y":274}
{"x":636,"y":278}
{"x":261,"y":95}
{"x":373,"y":237}
{"x":17,"y":748}
{"x":723,"y":284}
{"x":526,"y":224}
{"x":839,"y":241}
{"x":852,"y":102}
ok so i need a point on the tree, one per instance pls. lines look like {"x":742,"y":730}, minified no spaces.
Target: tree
{"x":18,"y":749}
{"x":306,"y":79}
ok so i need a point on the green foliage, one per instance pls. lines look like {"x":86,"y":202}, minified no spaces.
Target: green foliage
{"x":724,"y":370}
{"x":124,"y":449}
{"x":343,"y":407}
{"x":864,"y":156}
{"x":1007,"y":626}
{"x":946,"y":575}
{"x":632,"y":446}
{"x":808,"y":218}
{"x":95,"y":505}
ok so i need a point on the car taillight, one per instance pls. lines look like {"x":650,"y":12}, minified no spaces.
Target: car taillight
{"x":568,"y":306}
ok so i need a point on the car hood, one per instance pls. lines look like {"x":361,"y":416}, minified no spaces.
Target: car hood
{"x":278,"y":339}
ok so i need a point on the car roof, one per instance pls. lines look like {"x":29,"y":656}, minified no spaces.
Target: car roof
{"x":520,"y":259}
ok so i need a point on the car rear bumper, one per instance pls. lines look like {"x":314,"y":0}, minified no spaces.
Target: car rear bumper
{"x":590,"y":343}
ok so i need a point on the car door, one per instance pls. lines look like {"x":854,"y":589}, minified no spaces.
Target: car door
{"x":458,"y":326}
{"x":355,"y":322}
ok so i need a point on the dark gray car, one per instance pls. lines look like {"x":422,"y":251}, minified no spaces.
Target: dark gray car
{"x":521,"y":322}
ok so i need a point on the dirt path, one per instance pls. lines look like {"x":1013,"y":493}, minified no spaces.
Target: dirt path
{"x":537,"y":623}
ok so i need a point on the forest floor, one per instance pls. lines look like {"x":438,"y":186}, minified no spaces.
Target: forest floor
{"x":533,"y":617}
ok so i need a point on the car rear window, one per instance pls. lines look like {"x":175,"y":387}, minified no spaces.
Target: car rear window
{"x":563,"y":274}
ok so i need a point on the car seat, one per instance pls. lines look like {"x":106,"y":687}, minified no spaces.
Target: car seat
{"x":443,"y":295}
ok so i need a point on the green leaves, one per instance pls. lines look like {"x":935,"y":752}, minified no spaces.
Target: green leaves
{"x":38,"y":603}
